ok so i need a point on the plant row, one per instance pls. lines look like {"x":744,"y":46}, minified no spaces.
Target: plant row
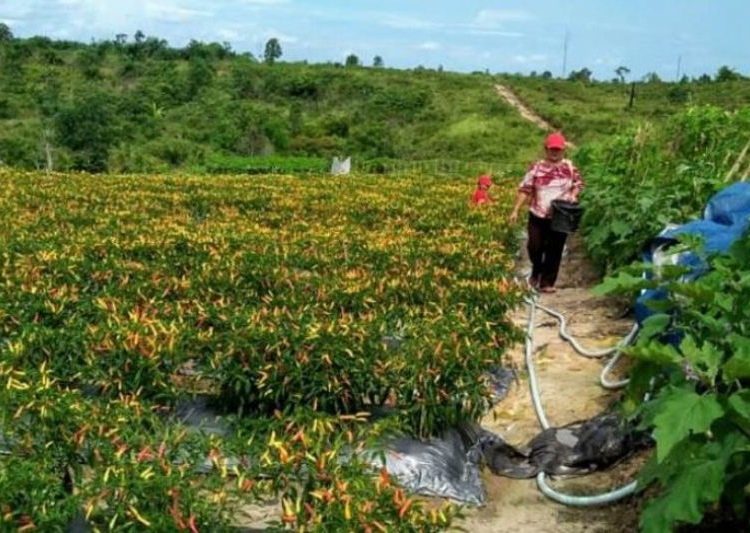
{"x":303,"y":305}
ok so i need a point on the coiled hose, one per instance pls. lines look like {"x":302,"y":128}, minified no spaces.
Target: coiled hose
{"x":541,"y":479}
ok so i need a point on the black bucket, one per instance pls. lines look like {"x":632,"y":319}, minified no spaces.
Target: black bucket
{"x":566,"y":216}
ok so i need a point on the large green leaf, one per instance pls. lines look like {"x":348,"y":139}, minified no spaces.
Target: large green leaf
{"x":684,"y":501}
{"x":705,"y":359}
{"x":683,"y":412}
{"x":738,"y":365}
{"x":740,"y":404}
{"x":655,"y":325}
{"x":724,"y":301}
{"x":654,"y":352}
{"x":622,"y":282}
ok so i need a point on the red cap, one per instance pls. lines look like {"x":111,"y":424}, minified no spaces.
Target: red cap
{"x":555,"y":140}
{"x":484,"y":179}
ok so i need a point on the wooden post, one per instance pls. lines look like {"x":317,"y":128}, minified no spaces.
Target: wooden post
{"x":632,"y":95}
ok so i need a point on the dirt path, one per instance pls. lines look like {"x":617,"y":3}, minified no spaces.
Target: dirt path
{"x":570,"y":391}
{"x":510,"y":97}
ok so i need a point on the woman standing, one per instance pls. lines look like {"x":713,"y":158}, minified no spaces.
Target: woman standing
{"x":551,"y":178}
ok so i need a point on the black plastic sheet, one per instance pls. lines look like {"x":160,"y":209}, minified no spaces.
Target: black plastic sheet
{"x":446,"y":467}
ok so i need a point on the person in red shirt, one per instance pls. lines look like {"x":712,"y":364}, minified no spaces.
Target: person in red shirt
{"x":481,"y":194}
{"x":551,"y":178}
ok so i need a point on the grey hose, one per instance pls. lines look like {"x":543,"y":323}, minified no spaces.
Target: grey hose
{"x":593,"y":353}
{"x":541,"y":479}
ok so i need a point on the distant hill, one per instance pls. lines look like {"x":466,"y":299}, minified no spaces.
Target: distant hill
{"x":143,"y":106}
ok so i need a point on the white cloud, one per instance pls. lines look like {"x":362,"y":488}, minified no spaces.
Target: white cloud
{"x":608,"y":62}
{"x":430,"y":45}
{"x":228,"y":34}
{"x":526,"y":59}
{"x":266,"y":2}
{"x":492,"y":18}
{"x":408,"y":23}
{"x":110,"y":17}
{"x":497,"y":33}
{"x":270,"y":33}
{"x":174,"y":13}
{"x":15,"y":10}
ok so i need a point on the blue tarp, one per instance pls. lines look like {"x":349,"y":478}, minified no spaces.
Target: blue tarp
{"x":725,"y":218}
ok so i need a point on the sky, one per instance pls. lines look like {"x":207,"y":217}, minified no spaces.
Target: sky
{"x":671,"y":38}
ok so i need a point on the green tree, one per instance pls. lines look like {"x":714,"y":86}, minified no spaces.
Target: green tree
{"x":5,"y":33}
{"x":272,"y":51}
{"x":583,"y":75}
{"x":13,"y":59}
{"x":89,"y":62}
{"x":727,"y":74}
{"x":377,"y":62}
{"x":296,"y":119}
{"x":621,"y":71}
{"x":245,"y":80}
{"x":86,"y":126}
{"x":352,"y":61}
{"x":20,"y":148}
{"x":200,"y":74}
{"x":153,"y":47}
{"x":47,"y":93}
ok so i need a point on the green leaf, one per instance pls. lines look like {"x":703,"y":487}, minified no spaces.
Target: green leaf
{"x":724,"y":301}
{"x":683,"y":412}
{"x":715,"y":326}
{"x":654,"y":325}
{"x":745,"y":280}
{"x":689,"y":493}
{"x":642,"y":383}
{"x":621,"y":228}
{"x":654,"y":352}
{"x":738,"y":365}
{"x":740,"y":404}
{"x":651,"y":472}
{"x":621,"y":282}
{"x":704,"y":360}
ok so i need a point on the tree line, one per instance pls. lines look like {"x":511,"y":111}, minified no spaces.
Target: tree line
{"x":137,"y":104}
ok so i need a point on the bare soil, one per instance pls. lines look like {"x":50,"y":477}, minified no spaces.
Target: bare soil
{"x":570,"y":391}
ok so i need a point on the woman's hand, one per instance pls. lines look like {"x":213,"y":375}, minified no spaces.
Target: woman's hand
{"x":513,"y":217}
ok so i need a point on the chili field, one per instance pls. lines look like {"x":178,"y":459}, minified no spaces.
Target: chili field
{"x":300,"y":307}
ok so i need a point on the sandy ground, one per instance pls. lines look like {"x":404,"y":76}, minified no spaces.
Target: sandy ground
{"x":570,"y":391}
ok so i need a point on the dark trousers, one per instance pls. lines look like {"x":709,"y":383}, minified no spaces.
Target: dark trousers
{"x":545,"y":247}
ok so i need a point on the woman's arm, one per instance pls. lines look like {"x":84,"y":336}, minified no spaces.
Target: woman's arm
{"x":577,"y":181}
{"x":520,"y":200}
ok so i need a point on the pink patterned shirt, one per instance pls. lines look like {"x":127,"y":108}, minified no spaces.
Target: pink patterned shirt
{"x":547,"y":181}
